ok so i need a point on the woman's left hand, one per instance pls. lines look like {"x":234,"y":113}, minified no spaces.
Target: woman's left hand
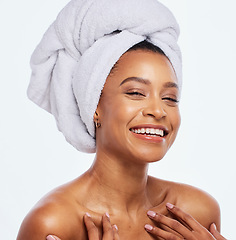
{"x":180,"y":231}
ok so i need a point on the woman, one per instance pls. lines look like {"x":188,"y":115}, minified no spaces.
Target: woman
{"x":136,"y":118}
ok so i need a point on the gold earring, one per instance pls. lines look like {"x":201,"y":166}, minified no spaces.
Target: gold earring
{"x":97,"y":124}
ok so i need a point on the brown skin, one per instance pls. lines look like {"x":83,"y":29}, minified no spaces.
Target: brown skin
{"x":117,"y":182}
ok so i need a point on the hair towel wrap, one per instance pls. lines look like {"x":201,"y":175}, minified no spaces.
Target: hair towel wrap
{"x":71,"y":63}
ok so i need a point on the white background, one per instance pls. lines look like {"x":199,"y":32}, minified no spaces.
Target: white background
{"x":34,"y":157}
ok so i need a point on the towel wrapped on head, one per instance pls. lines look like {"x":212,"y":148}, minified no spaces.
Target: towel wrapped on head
{"x":71,"y":63}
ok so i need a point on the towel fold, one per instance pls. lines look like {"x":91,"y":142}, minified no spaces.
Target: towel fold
{"x":71,"y":63}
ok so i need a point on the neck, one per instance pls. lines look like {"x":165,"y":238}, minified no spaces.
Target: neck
{"x":121,"y":185}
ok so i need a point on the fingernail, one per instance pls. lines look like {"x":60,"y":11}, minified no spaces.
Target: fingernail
{"x":148,"y":227}
{"x":115,"y":226}
{"x":50,"y":237}
{"x":107,"y":214}
{"x":151,"y":213}
{"x":170,"y":206}
{"x":88,"y":214}
{"x":214,"y":226}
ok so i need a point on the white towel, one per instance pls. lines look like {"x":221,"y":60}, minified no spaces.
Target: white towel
{"x":71,"y":63}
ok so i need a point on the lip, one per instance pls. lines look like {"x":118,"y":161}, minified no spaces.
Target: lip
{"x":149,"y":138}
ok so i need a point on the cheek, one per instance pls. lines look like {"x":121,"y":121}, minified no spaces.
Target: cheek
{"x":175,"y":119}
{"x":121,"y":111}
{"x":112,"y":115}
{"x":116,"y":118}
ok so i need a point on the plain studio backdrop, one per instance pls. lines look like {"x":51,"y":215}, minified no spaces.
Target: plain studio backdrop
{"x":34,"y":156}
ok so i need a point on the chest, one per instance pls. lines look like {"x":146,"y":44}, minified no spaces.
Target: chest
{"x":137,"y":234}
{"x":129,"y":230}
{"x":130,"y":226}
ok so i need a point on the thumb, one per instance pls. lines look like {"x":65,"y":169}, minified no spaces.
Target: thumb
{"x":215,"y":233}
{"x":52,"y":237}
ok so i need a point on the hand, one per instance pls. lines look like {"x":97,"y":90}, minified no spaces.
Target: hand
{"x":109,"y":232}
{"x":193,"y":231}
{"x":215,"y":233}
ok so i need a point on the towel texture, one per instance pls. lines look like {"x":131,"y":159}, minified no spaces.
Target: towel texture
{"x":71,"y":63}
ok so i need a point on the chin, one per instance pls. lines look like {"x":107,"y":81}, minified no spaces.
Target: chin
{"x":152,"y":159}
{"x":149,"y":156}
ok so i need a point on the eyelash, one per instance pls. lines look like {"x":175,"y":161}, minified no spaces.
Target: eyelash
{"x":171,"y":99}
{"x":135,"y":93}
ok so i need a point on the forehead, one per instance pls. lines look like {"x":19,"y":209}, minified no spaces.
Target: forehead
{"x":143,"y":64}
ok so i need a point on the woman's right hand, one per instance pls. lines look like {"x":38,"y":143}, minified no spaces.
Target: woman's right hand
{"x":110,"y":232}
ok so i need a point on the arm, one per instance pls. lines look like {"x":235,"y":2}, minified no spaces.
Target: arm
{"x":50,"y":218}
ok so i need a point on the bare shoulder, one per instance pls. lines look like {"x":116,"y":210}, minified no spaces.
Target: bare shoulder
{"x":57,"y":213}
{"x":200,"y":204}
{"x":194,"y":201}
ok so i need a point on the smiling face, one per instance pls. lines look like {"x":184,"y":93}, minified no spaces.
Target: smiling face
{"x":138,"y":109}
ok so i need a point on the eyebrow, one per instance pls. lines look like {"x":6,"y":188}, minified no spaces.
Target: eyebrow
{"x":136,"y":79}
{"x":171,"y":85}
{"x":147,"y":82}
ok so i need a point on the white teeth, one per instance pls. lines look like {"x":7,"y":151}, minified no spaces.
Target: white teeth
{"x":150,"y":131}
{"x":160,"y":132}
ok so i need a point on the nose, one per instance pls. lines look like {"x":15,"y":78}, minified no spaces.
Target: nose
{"x":154,"y":109}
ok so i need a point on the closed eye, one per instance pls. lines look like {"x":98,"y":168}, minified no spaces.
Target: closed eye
{"x":135,"y":93}
{"x":170,"y":99}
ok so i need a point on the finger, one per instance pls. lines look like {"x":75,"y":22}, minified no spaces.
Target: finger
{"x":52,"y":237}
{"x":107,"y":228}
{"x":158,"y":232}
{"x":172,"y":224}
{"x":91,"y":228}
{"x":188,"y":219}
{"x":115,"y":232}
{"x":215,"y":233}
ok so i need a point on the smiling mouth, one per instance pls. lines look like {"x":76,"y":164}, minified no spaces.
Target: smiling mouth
{"x":149,"y":132}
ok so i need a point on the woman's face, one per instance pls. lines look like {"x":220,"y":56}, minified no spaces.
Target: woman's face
{"x":138,"y":109}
